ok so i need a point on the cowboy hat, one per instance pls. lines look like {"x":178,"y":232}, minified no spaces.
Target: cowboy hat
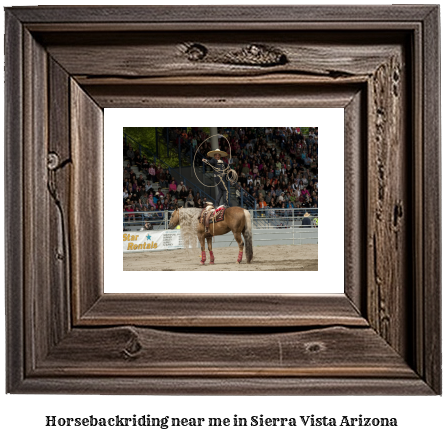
{"x":306,"y":214}
{"x":217,"y":151}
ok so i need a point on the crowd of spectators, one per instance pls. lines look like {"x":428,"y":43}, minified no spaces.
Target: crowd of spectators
{"x":278,"y":167}
{"x":139,"y":196}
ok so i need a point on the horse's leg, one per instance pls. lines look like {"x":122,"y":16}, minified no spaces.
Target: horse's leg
{"x":211,"y":254}
{"x":239,"y":240}
{"x":201,"y":238}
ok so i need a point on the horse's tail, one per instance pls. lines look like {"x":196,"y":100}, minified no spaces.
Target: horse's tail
{"x":248,"y":236}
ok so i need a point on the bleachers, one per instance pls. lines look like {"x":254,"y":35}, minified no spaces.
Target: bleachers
{"x":155,"y":186}
{"x":248,"y":201}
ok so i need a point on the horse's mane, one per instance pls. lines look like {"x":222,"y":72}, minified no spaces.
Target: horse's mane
{"x":188,"y":226}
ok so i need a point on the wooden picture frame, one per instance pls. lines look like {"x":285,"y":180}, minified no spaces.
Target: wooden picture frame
{"x":65,"y":64}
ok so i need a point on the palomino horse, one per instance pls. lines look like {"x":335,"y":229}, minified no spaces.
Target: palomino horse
{"x":236,"y":219}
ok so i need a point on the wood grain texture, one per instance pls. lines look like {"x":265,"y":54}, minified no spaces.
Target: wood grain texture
{"x":388,"y":204}
{"x":431,"y":316}
{"x":232,"y":26}
{"x":14,"y":238}
{"x":132,"y":351}
{"x":274,"y":79}
{"x":203,"y":14}
{"x":188,"y":310}
{"x":86,"y":235}
{"x":355,"y":195}
{"x":37,"y":204}
{"x":55,"y":93}
{"x":416,"y":54}
{"x":59,"y":166}
{"x":223,"y":96}
{"x":160,"y":54}
{"x":47,"y":308}
{"x":228,"y":386}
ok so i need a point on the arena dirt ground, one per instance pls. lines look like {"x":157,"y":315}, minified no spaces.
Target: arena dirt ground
{"x":266,"y":258}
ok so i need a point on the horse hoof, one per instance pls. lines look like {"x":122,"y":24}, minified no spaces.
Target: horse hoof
{"x":202,"y":263}
{"x":212,"y":263}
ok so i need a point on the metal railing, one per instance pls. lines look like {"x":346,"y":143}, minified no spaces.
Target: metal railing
{"x":246,"y":200}
{"x":284,"y":224}
{"x":157,"y":220}
{"x":260,"y":237}
{"x":265,"y":218}
{"x":284,"y":217}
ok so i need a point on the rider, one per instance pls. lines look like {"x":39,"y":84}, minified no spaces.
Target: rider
{"x":220,"y":177}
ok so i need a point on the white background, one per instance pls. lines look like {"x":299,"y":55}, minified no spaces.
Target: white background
{"x":23,"y":415}
{"x":331,"y":208}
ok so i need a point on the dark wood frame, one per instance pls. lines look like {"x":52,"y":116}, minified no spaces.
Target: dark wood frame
{"x":64,"y":65}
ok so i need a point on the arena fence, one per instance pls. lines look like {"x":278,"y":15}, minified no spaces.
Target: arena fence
{"x":270,"y":227}
{"x":264,"y":237}
{"x":267,"y":218}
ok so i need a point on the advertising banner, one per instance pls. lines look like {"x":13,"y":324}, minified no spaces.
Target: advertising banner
{"x":136,"y":241}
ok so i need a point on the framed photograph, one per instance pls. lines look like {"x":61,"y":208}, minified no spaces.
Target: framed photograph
{"x":280,"y":241}
{"x":262,"y":190}
{"x":66,"y":65}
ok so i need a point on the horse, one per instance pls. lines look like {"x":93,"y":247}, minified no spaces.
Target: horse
{"x":236,"y":219}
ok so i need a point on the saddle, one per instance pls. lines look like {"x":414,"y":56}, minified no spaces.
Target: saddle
{"x":214,"y":215}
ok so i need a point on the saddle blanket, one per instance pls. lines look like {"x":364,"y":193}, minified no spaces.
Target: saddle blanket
{"x":219,"y":215}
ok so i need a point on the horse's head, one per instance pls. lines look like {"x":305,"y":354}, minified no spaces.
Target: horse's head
{"x":175,"y":219}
